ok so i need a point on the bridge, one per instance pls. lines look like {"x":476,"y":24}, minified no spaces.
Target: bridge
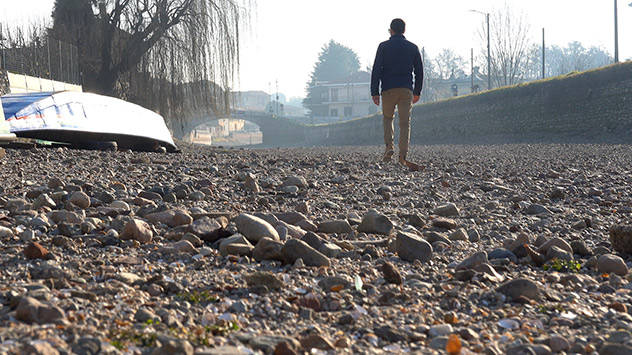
{"x":588,"y":107}
{"x":274,"y":128}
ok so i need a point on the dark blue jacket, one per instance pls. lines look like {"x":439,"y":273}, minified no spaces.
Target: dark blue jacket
{"x":395,"y":62}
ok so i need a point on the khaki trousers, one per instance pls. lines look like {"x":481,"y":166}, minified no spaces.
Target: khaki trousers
{"x":402,"y":98}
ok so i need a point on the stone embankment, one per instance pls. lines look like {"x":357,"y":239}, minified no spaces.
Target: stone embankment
{"x":588,"y":107}
{"x":521,"y":249}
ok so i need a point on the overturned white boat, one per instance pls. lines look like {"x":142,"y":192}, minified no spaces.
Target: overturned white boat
{"x":85,"y":120}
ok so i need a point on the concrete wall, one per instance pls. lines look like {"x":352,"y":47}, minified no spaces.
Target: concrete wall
{"x":589,"y":107}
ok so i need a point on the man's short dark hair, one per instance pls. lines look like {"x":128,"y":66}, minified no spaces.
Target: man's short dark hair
{"x":398,"y":26}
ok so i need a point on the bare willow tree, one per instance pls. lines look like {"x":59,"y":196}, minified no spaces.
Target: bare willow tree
{"x":510,"y":46}
{"x":174,"y":56}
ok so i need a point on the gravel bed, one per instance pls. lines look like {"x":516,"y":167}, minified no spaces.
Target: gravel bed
{"x":500,"y":249}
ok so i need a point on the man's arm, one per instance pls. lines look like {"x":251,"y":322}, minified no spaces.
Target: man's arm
{"x":376,"y":74}
{"x":418,"y":69}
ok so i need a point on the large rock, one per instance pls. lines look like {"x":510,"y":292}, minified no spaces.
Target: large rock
{"x":208,"y":229}
{"x":297,"y":181}
{"x":80,"y":199}
{"x":446,"y":210}
{"x":137,"y":230}
{"x":255,"y":228}
{"x":251,"y":183}
{"x":473,"y":261}
{"x":292,"y":230}
{"x":172,"y":218}
{"x":555,"y":252}
{"x":43,"y":200}
{"x":39,"y":348}
{"x":410,"y":247}
{"x":236,"y":244}
{"x":558,"y":242}
{"x":445,"y":223}
{"x":612,"y":264}
{"x":290,"y":217}
{"x":489,"y":272}
{"x":295,"y":249}
{"x":35,"y":251}
{"x":30,"y":310}
{"x":181,"y":246}
{"x":621,"y":238}
{"x":339,"y":226}
{"x":174,"y":347}
{"x":267,"y":343}
{"x":520,"y":288}
{"x":5,"y":232}
{"x":268,"y":249}
{"x":262,"y":278}
{"x":538,"y":209}
{"x":313,"y":240}
{"x":615,"y":349}
{"x":517,"y":246}
{"x":376,"y":223}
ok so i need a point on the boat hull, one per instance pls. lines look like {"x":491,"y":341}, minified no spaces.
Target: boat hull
{"x":83,"y":119}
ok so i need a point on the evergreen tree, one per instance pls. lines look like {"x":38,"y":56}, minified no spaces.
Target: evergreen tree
{"x":335,"y":62}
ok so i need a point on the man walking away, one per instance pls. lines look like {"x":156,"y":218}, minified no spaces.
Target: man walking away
{"x":395,"y":62}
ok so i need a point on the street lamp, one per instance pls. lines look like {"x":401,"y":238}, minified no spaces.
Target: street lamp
{"x":489,"y":65}
{"x":616,"y":32}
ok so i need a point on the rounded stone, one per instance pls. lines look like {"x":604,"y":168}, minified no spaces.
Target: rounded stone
{"x":609,"y":263}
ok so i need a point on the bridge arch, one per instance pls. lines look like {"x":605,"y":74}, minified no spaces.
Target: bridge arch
{"x":273,"y":128}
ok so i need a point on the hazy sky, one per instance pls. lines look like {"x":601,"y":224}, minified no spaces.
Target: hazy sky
{"x":286,"y":36}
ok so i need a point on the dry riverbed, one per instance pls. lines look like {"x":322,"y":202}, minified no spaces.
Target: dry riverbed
{"x":521,"y":249}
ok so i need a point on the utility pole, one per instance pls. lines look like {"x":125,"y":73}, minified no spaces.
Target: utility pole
{"x":543,"y":56}
{"x":489,"y":55}
{"x":472,"y":69}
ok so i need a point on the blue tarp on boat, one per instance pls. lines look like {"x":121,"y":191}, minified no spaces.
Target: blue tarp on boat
{"x":82,"y":118}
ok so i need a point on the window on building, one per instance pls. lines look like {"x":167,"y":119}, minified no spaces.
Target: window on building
{"x":334,"y":112}
{"x":334,"y":95}
{"x":348,"y":111}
